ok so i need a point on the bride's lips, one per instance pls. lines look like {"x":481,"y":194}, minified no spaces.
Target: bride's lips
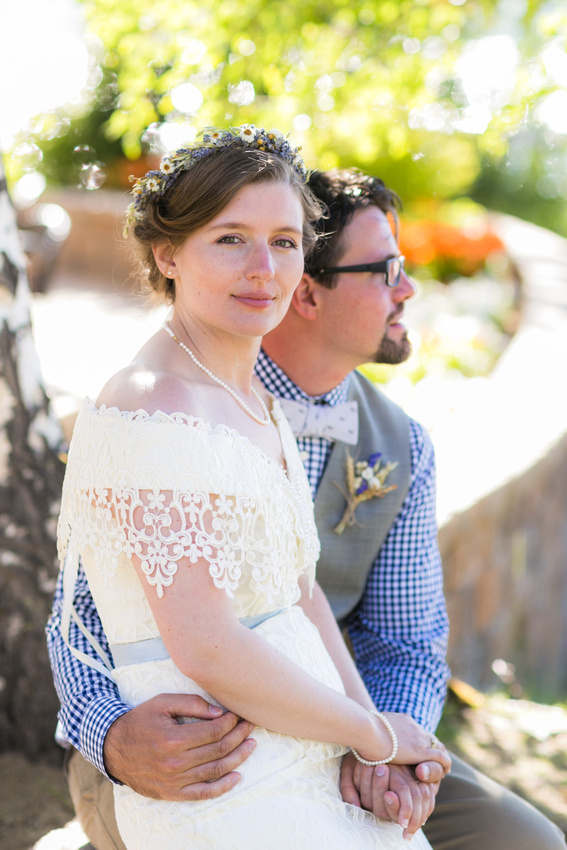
{"x":255,"y":299}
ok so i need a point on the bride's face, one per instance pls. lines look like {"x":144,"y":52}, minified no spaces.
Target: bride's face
{"x":237,"y":273}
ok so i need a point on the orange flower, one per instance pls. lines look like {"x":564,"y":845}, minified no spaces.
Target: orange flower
{"x":447,"y":247}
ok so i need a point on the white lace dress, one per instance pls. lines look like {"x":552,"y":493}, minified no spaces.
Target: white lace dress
{"x":132,"y":478}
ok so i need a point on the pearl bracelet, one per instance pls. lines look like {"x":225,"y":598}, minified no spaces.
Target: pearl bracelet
{"x":392,"y":735}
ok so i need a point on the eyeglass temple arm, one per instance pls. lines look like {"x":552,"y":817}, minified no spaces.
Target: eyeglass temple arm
{"x":376,"y":267}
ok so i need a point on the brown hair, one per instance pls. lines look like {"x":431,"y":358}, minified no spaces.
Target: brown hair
{"x":200,"y":194}
{"x":343,"y":192}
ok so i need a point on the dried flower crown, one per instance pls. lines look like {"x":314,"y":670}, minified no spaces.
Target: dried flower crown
{"x":156,"y":182}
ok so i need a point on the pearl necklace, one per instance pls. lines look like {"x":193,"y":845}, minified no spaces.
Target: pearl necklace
{"x":267,"y":418}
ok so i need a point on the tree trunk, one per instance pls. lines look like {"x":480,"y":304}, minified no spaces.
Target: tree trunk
{"x":31,"y":474}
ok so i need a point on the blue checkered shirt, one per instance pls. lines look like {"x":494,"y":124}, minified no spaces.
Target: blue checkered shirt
{"x":398,"y":631}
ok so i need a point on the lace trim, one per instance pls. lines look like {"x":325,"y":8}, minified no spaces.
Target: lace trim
{"x":197,"y":422}
{"x":141,"y":485}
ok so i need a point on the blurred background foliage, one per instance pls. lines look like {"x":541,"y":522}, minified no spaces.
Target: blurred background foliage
{"x":442,"y":98}
{"x":459,"y":105}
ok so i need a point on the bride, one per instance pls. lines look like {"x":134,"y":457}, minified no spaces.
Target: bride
{"x":186,"y":498}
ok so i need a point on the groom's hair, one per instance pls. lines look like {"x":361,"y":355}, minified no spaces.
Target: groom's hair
{"x":343,"y":192}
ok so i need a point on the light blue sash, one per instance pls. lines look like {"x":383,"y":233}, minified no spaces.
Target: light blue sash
{"x":153,"y":649}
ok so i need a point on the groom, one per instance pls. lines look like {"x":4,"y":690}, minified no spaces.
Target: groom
{"x":382,"y":574}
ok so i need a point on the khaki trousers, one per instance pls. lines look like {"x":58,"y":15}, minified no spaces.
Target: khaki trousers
{"x":93,"y":799}
{"x":472,"y":813}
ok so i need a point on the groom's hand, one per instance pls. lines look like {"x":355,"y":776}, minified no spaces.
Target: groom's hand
{"x":399,"y":793}
{"x":396,"y":794}
{"x":149,"y":750}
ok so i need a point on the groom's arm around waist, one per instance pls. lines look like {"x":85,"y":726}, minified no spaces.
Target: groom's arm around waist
{"x":90,"y":702}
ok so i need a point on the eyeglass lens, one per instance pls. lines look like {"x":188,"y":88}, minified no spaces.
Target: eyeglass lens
{"x":394,"y":271}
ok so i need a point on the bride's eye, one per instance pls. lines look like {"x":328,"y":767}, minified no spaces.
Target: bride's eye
{"x":229,"y":239}
{"x":285,"y":242}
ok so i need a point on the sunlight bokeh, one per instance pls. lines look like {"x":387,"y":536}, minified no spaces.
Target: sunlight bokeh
{"x":44,"y":57}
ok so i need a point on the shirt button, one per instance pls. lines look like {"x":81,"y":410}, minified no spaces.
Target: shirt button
{"x":304,"y":456}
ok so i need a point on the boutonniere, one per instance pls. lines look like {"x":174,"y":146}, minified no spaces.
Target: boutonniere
{"x":366,"y":479}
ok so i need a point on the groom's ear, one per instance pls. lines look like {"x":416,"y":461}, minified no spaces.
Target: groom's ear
{"x":306,"y":298}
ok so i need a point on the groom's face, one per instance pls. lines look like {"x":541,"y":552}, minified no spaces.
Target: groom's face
{"x":363,"y":314}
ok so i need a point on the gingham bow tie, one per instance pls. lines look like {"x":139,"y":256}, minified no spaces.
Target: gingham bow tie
{"x":335,"y":422}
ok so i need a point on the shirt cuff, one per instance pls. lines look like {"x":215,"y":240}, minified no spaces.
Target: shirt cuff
{"x":426,"y":710}
{"x":97,"y":720}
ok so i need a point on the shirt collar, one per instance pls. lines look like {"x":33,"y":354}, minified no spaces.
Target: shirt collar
{"x":277,"y":382}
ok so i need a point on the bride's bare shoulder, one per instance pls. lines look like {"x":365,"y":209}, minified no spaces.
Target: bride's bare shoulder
{"x":148,"y":384}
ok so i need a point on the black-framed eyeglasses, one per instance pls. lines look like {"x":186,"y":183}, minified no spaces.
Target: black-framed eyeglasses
{"x":393,"y":269}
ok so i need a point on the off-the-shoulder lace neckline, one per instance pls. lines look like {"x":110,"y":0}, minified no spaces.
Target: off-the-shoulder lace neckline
{"x":179,"y":417}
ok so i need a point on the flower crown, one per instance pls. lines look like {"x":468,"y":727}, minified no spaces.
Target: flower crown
{"x":156,"y":182}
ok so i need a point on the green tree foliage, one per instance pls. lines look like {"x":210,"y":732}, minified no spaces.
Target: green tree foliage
{"x":372,"y":83}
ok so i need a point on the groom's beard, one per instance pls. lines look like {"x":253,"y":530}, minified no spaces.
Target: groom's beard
{"x":393,"y":351}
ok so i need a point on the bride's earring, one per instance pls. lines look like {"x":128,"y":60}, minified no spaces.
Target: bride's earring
{"x":163,"y":255}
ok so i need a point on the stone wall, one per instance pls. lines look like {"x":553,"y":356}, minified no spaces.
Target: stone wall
{"x":503,"y":474}
{"x":506,"y":580}
{"x":95,"y":251}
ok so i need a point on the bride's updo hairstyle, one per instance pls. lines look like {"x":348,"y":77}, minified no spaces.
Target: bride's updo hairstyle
{"x":196,"y":183}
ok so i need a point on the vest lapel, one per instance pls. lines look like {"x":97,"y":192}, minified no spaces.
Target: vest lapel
{"x":346,"y":559}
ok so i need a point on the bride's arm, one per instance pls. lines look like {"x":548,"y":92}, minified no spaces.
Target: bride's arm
{"x":319,"y":611}
{"x":317,"y":608}
{"x":244,"y":673}
{"x":414,"y":800}
{"x":241,"y":670}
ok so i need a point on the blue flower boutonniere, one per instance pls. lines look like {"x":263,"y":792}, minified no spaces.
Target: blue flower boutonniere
{"x":366,"y":479}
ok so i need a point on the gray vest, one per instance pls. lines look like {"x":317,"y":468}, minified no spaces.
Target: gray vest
{"x":346,"y":558}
